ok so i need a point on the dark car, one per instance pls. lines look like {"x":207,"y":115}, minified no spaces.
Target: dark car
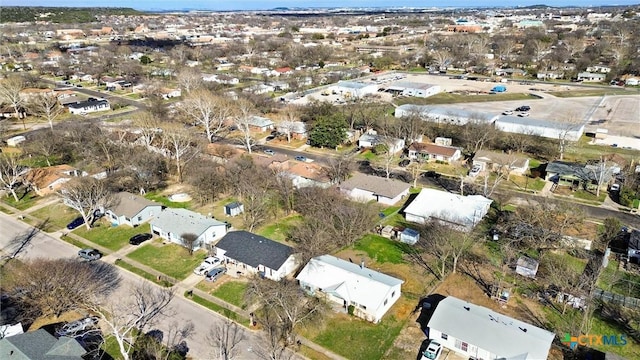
{"x":523,"y":108}
{"x":404,"y":163}
{"x":140,"y":238}
{"x":75,"y":223}
{"x":89,"y":254}
{"x":301,"y":158}
{"x":215,"y":273}
{"x":269,"y":152}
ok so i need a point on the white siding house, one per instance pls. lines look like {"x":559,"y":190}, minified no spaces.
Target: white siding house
{"x":475,"y":331}
{"x":132,"y":210}
{"x":371,"y":293}
{"x":172,"y":224}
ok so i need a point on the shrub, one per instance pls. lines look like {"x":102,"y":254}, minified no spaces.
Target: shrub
{"x":350,"y":309}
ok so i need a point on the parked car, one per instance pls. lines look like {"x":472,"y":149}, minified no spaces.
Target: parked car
{"x":300,"y":158}
{"x":507,"y":112}
{"x":140,"y":238}
{"x":475,"y":170}
{"x":433,"y":351}
{"x":215,"y":273}
{"x":269,"y":152}
{"x":523,"y":114}
{"x":74,"y":327}
{"x":75,"y":223}
{"x":524,"y":108}
{"x":206,"y":265}
{"x":614,"y":188}
{"x":404,"y":163}
{"x":89,"y":254}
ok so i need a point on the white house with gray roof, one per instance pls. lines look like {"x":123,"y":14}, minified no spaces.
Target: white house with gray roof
{"x":254,"y":254}
{"x":364,"y":188}
{"x":171,"y":224}
{"x":571,"y":131}
{"x":371,"y":293}
{"x":475,"y":331}
{"x":131,"y":209}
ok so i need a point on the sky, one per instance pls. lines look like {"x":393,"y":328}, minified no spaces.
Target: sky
{"x":270,"y":4}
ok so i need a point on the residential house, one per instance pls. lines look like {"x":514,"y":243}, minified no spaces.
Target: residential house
{"x":598,"y":69}
{"x":570,"y":131}
{"x":170,"y":93}
{"x":249,"y":253}
{"x":297,"y":129}
{"x":40,"y":345}
{"x":543,"y":75}
{"x":368,"y":293}
{"x":579,"y":175}
{"x":259,"y":89}
{"x":172,"y":224}
{"x":497,"y":161}
{"x":633,"y":248}
{"x":527,"y":266}
{"x":591,"y":77}
{"x":457,"y":211}
{"x":476,"y":331}
{"x":510,"y":72}
{"x":131,"y":209}
{"x":364,"y":188}
{"x":260,"y":123}
{"x":370,"y":139}
{"x":85,"y":107}
{"x":426,"y":152}
{"x":304,"y":174}
{"x":47,"y":180}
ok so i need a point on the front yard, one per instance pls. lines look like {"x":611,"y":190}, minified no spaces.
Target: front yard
{"x":57,"y":216}
{"x":170,"y":259}
{"x":232,"y":292}
{"x":111,"y":237}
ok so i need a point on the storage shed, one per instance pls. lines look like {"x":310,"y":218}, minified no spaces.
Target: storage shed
{"x":527,"y":266}
{"x":233,"y":209}
{"x":409,"y":236}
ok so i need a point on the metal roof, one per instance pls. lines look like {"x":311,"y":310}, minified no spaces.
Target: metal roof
{"x":183,"y":221}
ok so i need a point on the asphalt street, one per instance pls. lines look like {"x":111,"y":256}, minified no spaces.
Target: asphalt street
{"x":182,"y":310}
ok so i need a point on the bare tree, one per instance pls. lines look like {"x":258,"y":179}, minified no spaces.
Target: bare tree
{"x":11,"y":172}
{"x":477,"y":133}
{"x":163,"y":345}
{"x":225,"y":338}
{"x":205,"y":109}
{"x":339,"y":168}
{"x":10,"y":89}
{"x":189,"y":79}
{"x":87,"y":195}
{"x":243,"y":120}
{"x":560,"y":274}
{"x":180,"y":146}
{"x":190,"y":242}
{"x":601,"y":174}
{"x":46,"y":106}
{"x":124,"y":320}
{"x":569,"y":125}
{"x":51,"y":287}
{"x":149,"y":128}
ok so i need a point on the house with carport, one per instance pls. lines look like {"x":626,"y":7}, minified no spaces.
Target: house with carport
{"x":368,"y":293}
{"x":459,"y":212}
{"x":246,"y":253}
{"x":172,"y":224}
{"x":131,"y":209}
{"x":474,"y":331}
{"x":364,"y":188}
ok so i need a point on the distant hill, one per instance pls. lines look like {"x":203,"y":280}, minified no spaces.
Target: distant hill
{"x":59,"y":15}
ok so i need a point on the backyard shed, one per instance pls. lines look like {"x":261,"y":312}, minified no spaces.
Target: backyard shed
{"x":409,"y":236}
{"x":233,"y":209}
{"x":527,"y":266}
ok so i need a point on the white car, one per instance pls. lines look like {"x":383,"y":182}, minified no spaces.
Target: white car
{"x":507,"y":112}
{"x":206,"y":265}
{"x":74,"y":327}
{"x":523,"y":114}
{"x":433,"y":351}
{"x":474,"y":171}
{"x":614,"y":188}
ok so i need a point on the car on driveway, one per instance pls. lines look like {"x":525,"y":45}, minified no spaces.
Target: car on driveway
{"x":433,"y":351}
{"x":74,"y":327}
{"x":206,"y":265}
{"x":140,"y":238}
{"x":475,"y":170}
{"x":75,"y":223}
{"x":269,"y":152}
{"x":524,"y":108}
{"x":614,"y":188}
{"x":215,"y":273}
{"x":89,"y":254}
{"x":404,"y":163}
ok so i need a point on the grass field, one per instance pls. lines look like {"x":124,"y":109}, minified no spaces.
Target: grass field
{"x":219,"y":309}
{"x":171,"y":259}
{"x":111,"y":237}
{"x":381,"y":249}
{"x":591,"y":92}
{"x":232,"y":292}
{"x":25,"y":200}
{"x":280,"y":229}
{"x":125,"y":265}
{"x":448,"y":98}
{"x":58,"y":216}
{"x":153,"y":196}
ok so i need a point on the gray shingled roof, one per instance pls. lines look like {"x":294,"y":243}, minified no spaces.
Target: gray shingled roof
{"x":130,"y":205}
{"x":183,"y":221}
{"x":378,"y":185}
{"x":40,"y":345}
{"x":254,"y":250}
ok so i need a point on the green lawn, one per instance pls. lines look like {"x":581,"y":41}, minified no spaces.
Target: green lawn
{"x":125,"y":265}
{"x":590,"y":92}
{"x":153,"y":196}
{"x":354,"y":338}
{"x":24,"y":202}
{"x":219,"y":309}
{"x":232,"y":292}
{"x":111,"y":237}
{"x":58,"y":216}
{"x":381,"y":249}
{"x":390,"y":210}
{"x":448,"y":98}
{"x":278,"y":231}
{"x":172,"y":259}
{"x":619,"y":281}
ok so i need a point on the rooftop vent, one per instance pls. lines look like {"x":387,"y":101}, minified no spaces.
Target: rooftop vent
{"x":467,"y":308}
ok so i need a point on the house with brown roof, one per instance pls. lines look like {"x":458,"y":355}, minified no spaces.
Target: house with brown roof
{"x":432,"y":152}
{"x":47,"y":180}
{"x":497,"y":161}
{"x":304,"y":174}
{"x":364,"y":188}
{"x":131,"y":209}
